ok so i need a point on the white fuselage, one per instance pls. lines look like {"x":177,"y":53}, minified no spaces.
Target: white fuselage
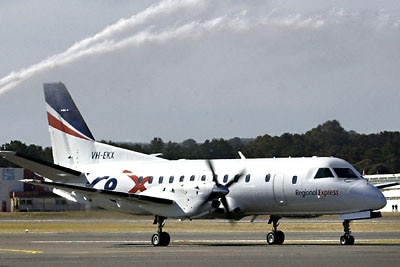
{"x":279,"y":186}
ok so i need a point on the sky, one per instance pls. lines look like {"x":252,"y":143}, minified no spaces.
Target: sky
{"x":208,"y":69}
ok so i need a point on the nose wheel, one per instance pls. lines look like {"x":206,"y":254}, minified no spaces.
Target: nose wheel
{"x":160,"y":239}
{"x":347,"y":238}
{"x":275,"y":237}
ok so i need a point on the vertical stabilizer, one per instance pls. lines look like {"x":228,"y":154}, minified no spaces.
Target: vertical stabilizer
{"x":72,"y":142}
{"x":62,"y":112}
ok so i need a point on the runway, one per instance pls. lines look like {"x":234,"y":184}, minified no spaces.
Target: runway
{"x":197,"y":249}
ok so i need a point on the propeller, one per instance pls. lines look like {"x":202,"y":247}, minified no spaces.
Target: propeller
{"x":219,"y":191}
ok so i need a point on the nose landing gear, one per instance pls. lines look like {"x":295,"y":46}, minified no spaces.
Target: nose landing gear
{"x":347,"y":238}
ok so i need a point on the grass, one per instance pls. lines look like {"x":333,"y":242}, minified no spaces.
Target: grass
{"x":105,"y":221}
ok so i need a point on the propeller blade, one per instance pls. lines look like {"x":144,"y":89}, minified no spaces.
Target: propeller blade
{"x":219,"y":191}
{"x":225,"y":204}
{"x":229,"y":213}
{"x":235,"y":179}
{"x":214,"y":175}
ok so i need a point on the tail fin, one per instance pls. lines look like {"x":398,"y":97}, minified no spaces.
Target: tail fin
{"x":72,"y":142}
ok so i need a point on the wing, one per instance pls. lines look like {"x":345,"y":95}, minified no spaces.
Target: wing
{"x":49,"y":170}
{"x":112,"y":195}
{"x":385,"y":185}
{"x":72,"y":185}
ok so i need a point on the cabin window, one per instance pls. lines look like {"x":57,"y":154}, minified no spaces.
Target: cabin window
{"x":247,"y":179}
{"x":226,"y":177}
{"x":323,"y":173}
{"x":150,"y":179}
{"x":294,"y":179}
{"x":181,"y":178}
{"x":140,"y":179}
{"x":203,"y":177}
{"x":345,"y":173}
{"x":192,"y":178}
{"x":267,"y":178}
{"x":171,"y":179}
{"x":160,"y":179}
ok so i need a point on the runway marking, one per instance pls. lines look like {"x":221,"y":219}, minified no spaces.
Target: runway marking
{"x":84,"y":241}
{"x":21,"y":251}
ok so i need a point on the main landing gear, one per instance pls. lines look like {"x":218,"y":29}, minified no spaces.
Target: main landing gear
{"x":347,"y":238}
{"x":275,"y":237}
{"x":160,"y":239}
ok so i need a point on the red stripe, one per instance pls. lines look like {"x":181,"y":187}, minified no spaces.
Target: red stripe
{"x":56,"y":123}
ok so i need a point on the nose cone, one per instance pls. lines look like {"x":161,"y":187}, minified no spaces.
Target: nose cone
{"x":373,"y":198}
{"x":365,"y":196}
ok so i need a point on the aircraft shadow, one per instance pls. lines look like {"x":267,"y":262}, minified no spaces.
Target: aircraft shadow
{"x":222,"y":244}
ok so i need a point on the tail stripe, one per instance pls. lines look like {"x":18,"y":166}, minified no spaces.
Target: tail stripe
{"x":59,"y":125}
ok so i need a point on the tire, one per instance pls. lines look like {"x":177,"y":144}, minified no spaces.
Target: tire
{"x":271,"y":238}
{"x":156,"y":240}
{"x":160,"y":239}
{"x":279,"y":237}
{"x":351,"y":240}
{"x":347,"y":240}
{"x":165,"y":239}
{"x":275,"y":238}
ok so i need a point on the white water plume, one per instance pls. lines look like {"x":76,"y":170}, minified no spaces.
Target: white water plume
{"x":97,"y":44}
{"x":126,"y":32}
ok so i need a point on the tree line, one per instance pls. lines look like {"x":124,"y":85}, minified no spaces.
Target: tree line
{"x":369,"y":153}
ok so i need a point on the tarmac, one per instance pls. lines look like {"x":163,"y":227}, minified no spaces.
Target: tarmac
{"x":197,"y":249}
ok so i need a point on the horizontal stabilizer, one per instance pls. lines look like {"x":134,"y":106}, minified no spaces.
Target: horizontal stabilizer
{"x":385,"y":185}
{"x":46,"y":169}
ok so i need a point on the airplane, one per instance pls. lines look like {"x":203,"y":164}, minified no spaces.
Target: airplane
{"x":109,"y":177}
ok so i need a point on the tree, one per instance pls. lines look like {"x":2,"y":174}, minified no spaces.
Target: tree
{"x":156,"y":146}
{"x":372,"y":153}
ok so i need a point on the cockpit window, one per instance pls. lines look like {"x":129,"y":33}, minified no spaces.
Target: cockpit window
{"x":323,"y":173}
{"x":345,"y":173}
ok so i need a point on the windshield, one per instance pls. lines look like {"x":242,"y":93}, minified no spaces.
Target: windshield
{"x":323,"y":173}
{"x":345,"y":173}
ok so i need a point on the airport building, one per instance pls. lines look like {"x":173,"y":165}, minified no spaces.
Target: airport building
{"x":392,"y":193}
{"x":18,"y":196}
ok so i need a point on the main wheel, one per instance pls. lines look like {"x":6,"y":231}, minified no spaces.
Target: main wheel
{"x":275,"y":238}
{"x":156,"y":240}
{"x":351,"y":240}
{"x":160,"y":239}
{"x":279,"y":237}
{"x":271,"y":238}
{"x":165,"y":239}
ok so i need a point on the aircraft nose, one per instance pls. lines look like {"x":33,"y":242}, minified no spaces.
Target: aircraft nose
{"x":373,"y":198}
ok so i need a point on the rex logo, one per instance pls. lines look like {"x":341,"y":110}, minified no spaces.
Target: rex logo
{"x":139,"y":182}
